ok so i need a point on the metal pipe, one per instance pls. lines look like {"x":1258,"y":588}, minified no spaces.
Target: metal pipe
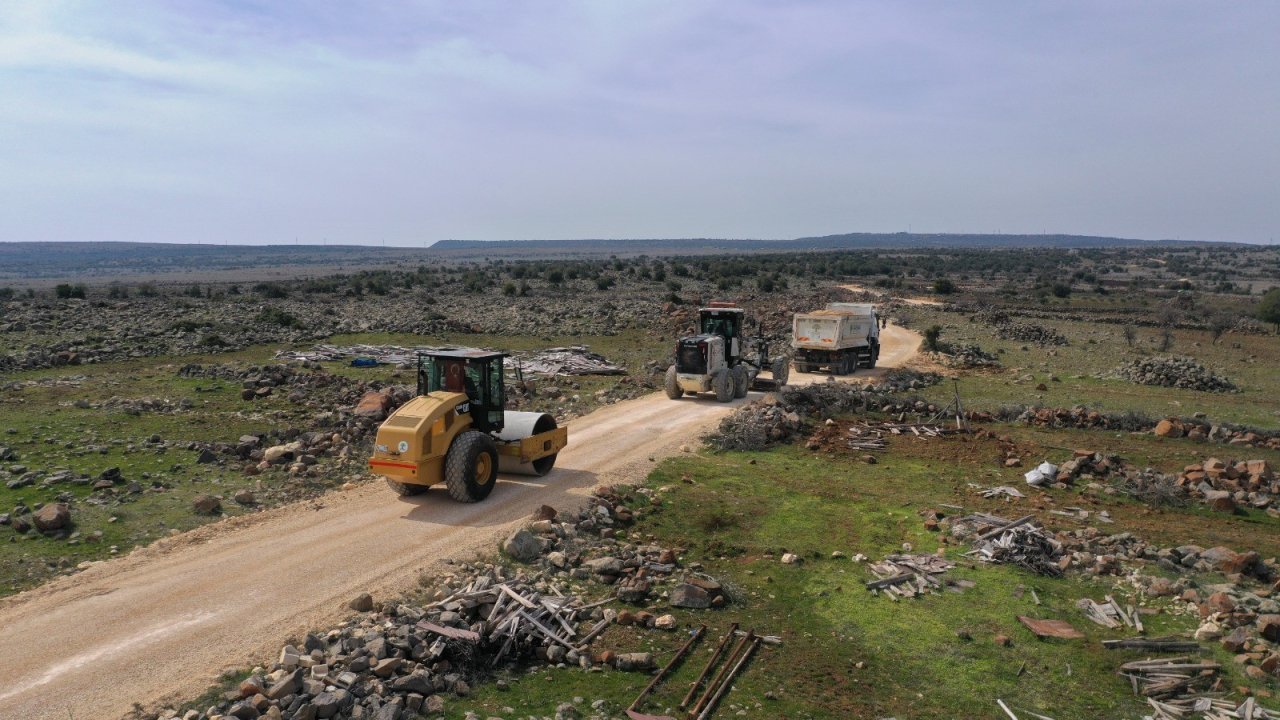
{"x":663,"y":672}
{"x":728,"y":681}
{"x":706,"y":695}
{"x":710,"y":664}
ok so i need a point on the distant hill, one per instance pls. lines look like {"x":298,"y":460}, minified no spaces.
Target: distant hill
{"x":39,"y":260}
{"x":850,"y":241}
{"x":44,"y":263}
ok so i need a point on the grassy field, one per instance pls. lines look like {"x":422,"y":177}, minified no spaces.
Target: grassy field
{"x":848,"y":654}
{"x":1097,"y":349}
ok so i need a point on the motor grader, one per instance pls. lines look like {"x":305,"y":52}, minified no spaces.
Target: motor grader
{"x":457,"y":430}
{"x":718,"y":360}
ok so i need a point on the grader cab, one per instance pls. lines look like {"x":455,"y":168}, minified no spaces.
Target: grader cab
{"x":457,"y":430}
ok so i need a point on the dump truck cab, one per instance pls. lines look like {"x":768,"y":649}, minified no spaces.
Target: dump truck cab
{"x":457,"y":430}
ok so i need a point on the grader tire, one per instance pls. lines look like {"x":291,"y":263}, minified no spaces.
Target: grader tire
{"x":740,"y":381}
{"x":471,"y":467}
{"x":672,"y":384}
{"x":722,"y":383}
{"x":405,"y":489}
{"x":781,"y":371}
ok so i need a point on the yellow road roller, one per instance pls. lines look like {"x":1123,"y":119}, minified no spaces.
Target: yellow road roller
{"x":457,"y":430}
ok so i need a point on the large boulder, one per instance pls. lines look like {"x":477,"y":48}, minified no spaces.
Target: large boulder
{"x":205,"y":504}
{"x":686,"y":595}
{"x":54,"y":516}
{"x":374,"y":405}
{"x":1269,"y":627}
{"x":523,"y":546}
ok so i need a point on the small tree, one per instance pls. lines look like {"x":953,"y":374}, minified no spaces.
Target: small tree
{"x":1219,"y":323}
{"x":1061,"y":290}
{"x":1269,"y":308}
{"x":1166,"y":338}
{"x":932,"y":335}
{"x":1130,"y":335}
{"x":555,"y":277}
{"x":944,"y":286}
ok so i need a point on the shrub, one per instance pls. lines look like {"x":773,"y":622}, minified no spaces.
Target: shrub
{"x":276,"y":316}
{"x":932,"y":336}
{"x":65,"y":291}
{"x":604,"y":282}
{"x":1269,"y":308}
{"x":943,"y":286}
{"x":1061,"y":290}
{"x":273,"y":291}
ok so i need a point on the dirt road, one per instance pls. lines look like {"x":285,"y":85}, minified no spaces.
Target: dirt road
{"x":162,"y":623}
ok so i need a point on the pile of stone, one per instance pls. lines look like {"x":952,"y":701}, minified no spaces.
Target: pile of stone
{"x":779,"y":416}
{"x":1245,"y":620}
{"x":1200,"y":429}
{"x":1029,"y":333}
{"x":1226,"y":485}
{"x":586,"y":547}
{"x":1173,"y":371}
{"x":965,"y":356}
{"x":1079,"y":417}
{"x":1083,"y":418}
{"x":402,"y":660}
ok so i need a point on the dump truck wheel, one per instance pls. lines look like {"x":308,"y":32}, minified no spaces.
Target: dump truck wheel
{"x":722,"y":384}
{"x":471,"y":466}
{"x":781,"y":371}
{"x":673,"y":384}
{"x":875,"y":355}
{"x":405,"y":489}
{"x":740,"y":381}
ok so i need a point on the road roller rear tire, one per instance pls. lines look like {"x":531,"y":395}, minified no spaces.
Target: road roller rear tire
{"x":471,"y":467}
{"x":405,"y":489}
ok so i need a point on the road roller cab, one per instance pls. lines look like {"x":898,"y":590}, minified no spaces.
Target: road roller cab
{"x":457,"y":430}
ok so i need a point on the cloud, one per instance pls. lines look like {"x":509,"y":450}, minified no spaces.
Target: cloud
{"x":262,"y":121}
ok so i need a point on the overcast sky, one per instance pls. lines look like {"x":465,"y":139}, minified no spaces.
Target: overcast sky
{"x":408,"y":122}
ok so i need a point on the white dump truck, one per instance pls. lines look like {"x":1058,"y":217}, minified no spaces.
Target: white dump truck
{"x":842,"y":337}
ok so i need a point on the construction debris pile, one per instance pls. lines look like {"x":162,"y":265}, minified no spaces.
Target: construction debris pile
{"x":908,"y":576}
{"x":965,"y":357}
{"x":1225,"y":486}
{"x":1111,"y":614}
{"x":779,"y":416}
{"x":1018,"y":542}
{"x":401,"y":660}
{"x":1186,"y":688}
{"x":1173,"y":371}
{"x":575,"y":360}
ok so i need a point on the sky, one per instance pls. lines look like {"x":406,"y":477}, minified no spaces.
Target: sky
{"x":402,"y":123}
